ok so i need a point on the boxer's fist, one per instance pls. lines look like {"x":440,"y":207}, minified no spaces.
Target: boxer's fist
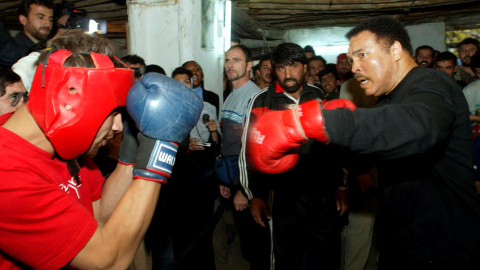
{"x":164,"y":111}
{"x":338,"y":103}
{"x":274,"y":138}
{"x":272,"y":142}
{"x":311,"y":117}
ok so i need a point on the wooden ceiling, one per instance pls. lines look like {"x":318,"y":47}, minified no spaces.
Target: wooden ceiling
{"x":255,"y":19}
{"x":268,"y":17}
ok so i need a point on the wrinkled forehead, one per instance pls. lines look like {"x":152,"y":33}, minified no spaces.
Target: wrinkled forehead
{"x":39,"y":9}
{"x":445,"y":63}
{"x":236,"y":53}
{"x":315,"y":63}
{"x":365,"y":41}
{"x":468,"y":46}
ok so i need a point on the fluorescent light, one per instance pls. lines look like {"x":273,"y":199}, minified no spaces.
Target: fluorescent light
{"x":92,"y":26}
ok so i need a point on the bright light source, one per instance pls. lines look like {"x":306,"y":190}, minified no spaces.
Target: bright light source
{"x":92,"y":26}
{"x":228,"y":24}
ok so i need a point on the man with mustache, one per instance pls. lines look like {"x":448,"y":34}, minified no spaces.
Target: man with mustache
{"x":253,"y":241}
{"x":343,"y":68}
{"x":264,"y":73}
{"x":36,"y":16}
{"x":305,"y":210}
{"x":466,"y":49}
{"x":424,"y":56}
{"x":418,"y":136}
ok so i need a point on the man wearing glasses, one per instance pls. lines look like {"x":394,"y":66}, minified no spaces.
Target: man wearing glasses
{"x":12,"y":91}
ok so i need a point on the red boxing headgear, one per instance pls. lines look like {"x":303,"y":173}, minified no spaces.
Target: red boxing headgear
{"x":341,"y":57}
{"x":71,"y":103}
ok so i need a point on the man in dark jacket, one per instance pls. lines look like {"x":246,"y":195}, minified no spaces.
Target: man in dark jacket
{"x":419,"y":137}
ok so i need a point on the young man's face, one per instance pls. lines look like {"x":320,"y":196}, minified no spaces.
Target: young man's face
{"x":196,"y":72}
{"x":466,"y":52}
{"x":446,"y":66}
{"x":11,"y":91}
{"x":290,"y":76}
{"x":329,"y":83}
{"x":236,"y":65}
{"x":344,"y":67}
{"x":372,"y":64}
{"x":183,"y":78}
{"x":314,"y":67}
{"x":111,"y":126}
{"x":265,"y":71}
{"x":39,"y":22}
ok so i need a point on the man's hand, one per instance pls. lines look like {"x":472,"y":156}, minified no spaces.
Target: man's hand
{"x":257,"y":207}
{"x":193,"y":145}
{"x":342,"y":201}
{"x":365,"y":184}
{"x":240,"y":201}
{"x":224,"y":191}
{"x":273,"y":139}
{"x":212,"y":125}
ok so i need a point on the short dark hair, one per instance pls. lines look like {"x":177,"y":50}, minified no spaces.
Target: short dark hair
{"x":309,"y":49}
{"x":24,"y":7}
{"x":446,"y":56}
{"x":79,"y":42}
{"x":188,"y":62}
{"x":264,"y":58}
{"x":246,"y":51}
{"x":182,"y":70}
{"x":475,"y":62}
{"x":424,"y":47}
{"x":316,"y":58}
{"x":469,"y":41}
{"x":256,"y":67}
{"x":287,"y":53}
{"x":386,"y":29}
{"x":327,"y":70}
{"x":155,"y":68}
{"x":133,"y":59}
{"x":7,"y":77}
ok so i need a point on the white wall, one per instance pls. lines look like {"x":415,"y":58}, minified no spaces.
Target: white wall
{"x":331,"y":41}
{"x":431,"y":34}
{"x":168,"y":33}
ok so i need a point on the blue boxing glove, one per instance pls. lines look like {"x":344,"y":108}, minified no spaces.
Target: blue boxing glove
{"x":164,"y":111}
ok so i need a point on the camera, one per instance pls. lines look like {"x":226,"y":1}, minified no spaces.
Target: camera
{"x":205,"y":144}
{"x":76,"y":17}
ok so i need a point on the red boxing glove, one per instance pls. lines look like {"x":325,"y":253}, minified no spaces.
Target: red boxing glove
{"x":274,"y":138}
{"x":272,"y":141}
{"x":338,"y":103}
{"x":311,"y":117}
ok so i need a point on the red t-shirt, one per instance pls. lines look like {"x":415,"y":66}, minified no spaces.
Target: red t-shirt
{"x":46,"y":215}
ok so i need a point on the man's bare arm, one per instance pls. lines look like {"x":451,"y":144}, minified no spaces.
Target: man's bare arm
{"x":114,"y":244}
{"x":113,"y":189}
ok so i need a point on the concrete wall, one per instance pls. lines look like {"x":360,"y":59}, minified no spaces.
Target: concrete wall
{"x":169,"y":33}
{"x":432,"y":34}
{"x":331,"y":41}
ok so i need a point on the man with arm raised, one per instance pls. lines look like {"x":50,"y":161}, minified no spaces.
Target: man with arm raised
{"x":56,"y":214}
